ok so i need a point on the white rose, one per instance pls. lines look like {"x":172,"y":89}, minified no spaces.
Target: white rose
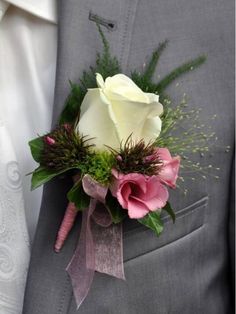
{"x":116,"y":109}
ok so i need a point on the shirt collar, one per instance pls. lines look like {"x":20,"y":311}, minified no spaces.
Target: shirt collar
{"x":3,"y":7}
{"x":45,"y":9}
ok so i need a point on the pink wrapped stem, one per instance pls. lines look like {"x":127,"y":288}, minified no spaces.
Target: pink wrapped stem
{"x":66,"y":225}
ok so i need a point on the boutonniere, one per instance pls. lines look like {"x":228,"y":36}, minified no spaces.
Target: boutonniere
{"x":117,"y":139}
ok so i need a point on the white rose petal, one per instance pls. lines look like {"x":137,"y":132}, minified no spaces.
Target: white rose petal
{"x":120,"y":87}
{"x":100,"y":80}
{"x":151,"y":129}
{"x":117,"y":109}
{"x":96,"y":123}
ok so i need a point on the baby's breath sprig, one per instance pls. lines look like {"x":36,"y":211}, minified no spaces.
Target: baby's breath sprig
{"x":184,"y":135}
{"x":184,"y":139}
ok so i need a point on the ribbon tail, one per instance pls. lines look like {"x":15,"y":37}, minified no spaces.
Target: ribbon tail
{"x":81,"y":275}
{"x":99,"y":248}
{"x":108,"y":247}
{"x":108,"y":243}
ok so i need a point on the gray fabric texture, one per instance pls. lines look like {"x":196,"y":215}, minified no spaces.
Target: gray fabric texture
{"x":187,"y":269}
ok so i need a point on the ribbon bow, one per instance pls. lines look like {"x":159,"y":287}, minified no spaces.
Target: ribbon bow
{"x":100,"y":245}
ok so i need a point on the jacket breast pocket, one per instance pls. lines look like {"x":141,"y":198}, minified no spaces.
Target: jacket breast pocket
{"x":140,"y":240}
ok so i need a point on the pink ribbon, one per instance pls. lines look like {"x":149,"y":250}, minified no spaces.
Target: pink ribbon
{"x":100,"y":244}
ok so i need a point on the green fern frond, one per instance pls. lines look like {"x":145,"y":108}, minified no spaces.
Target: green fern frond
{"x":144,"y":80}
{"x":173,"y":75}
{"x":106,"y":65}
{"x":148,"y":73}
{"x":142,"y":83}
{"x":72,"y":104}
{"x":106,"y":47}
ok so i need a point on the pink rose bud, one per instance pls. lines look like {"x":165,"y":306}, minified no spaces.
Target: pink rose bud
{"x":119,"y":158}
{"x":49,"y":140}
{"x":170,"y":169}
{"x":139,"y":194}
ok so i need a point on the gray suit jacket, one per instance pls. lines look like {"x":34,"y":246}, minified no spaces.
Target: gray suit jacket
{"x":187,"y":269}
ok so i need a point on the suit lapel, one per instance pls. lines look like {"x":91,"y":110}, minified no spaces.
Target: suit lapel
{"x":48,"y":286}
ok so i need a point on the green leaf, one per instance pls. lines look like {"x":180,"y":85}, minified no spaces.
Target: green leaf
{"x":153,"y":221}
{"x":116,"y":211}
{"x":170,"y":211}
{"x":36,"y":147}
{"x":42,"y":175}
{"x":78,"y":196}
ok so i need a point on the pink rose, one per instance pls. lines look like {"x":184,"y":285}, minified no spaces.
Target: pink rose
{"x":138,"y":193}
{"x":170,"y":169}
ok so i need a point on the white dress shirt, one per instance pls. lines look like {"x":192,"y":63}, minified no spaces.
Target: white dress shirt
{"x":28,"y":44}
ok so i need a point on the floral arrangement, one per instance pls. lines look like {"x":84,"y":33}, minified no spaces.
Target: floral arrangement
{"x":116,"y":139}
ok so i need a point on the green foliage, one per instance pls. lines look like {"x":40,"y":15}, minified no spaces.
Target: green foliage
{"x":36,"y":148}
{"x":78,"y":196}
{"x":72,"y":105}
{"x":150,"y":69}
{"x":144,"y":79}
{"x":170,"y":211}
{"x":106,"y":65}
{"x":98,"y":165}
{"x":41,"y":175}
{"x":173,"y":75}
{"x":153,"y":221}
{"x":116,"y":211}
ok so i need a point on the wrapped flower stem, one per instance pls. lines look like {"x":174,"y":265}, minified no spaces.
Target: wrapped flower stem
{"x":66,"y":226}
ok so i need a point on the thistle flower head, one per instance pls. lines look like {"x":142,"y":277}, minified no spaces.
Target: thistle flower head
{"x":138,"y":157}
{"x":64,"y":148}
